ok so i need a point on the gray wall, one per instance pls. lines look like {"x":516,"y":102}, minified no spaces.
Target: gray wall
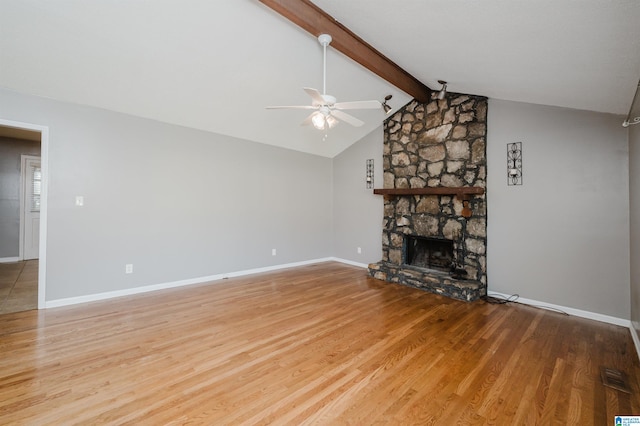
{"x":634,"y":201}
{"x":10,"y":164}
{"x":563,"y":236}
{"x":357,"y":212}
{"x":175,"y":202}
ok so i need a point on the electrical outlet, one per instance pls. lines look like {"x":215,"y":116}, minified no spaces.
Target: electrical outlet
{"x":128,"y":268}
{"x":359,"y":250}
{"x":79,"y":200}
{"x":273,"y":252}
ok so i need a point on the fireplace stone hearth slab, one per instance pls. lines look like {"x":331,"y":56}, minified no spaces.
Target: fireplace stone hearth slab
{"x":426,"y":279}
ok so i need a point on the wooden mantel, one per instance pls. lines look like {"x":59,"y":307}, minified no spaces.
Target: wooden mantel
{"x":463,"y":193}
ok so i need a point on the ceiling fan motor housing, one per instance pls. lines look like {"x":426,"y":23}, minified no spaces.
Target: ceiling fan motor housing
{"x":329,"y":100}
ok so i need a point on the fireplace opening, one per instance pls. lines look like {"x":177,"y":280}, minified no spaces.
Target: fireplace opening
{"x":430,"y":253}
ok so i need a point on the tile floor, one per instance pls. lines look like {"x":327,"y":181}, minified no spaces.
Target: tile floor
{"x":18,"y":286}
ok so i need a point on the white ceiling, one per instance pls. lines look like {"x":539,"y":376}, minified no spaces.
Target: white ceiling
{"x":215,"y":65}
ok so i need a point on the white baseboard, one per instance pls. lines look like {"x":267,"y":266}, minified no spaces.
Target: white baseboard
{"x":350,"y":262}
{"x":9,"y":259}
{"x":181,"y":283}
{"x":571,"y":311}
{"x":634,"y":335}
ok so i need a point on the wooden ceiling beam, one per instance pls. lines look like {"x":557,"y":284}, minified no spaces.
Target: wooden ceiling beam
{"x":316,"y":21}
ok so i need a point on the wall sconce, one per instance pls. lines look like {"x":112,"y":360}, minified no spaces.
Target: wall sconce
{"x":443,"y":92}
{"x":385,"y":105}
{"x":369,"y":167}
{"x":514,"y":163}
{"x":630,"y":120}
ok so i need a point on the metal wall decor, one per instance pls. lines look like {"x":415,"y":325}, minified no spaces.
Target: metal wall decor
{"x":514,"y":163}
{"x":369,"y":173}
{"x":634,"y":110}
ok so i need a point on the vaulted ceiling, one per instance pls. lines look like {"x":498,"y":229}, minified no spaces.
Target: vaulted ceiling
{"x":216,"y":65}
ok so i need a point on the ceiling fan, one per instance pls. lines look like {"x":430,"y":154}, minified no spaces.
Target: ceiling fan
{"x":328,"y":112}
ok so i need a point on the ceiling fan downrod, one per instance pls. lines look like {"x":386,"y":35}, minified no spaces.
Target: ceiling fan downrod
{"x":325,"y":40}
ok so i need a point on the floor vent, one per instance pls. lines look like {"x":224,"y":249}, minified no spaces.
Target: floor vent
{"x":614,"y":379}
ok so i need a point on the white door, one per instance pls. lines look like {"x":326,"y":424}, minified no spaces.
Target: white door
{"x":32,"y":178}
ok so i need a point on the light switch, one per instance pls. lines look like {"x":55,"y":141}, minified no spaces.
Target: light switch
{"x":79,"y":200}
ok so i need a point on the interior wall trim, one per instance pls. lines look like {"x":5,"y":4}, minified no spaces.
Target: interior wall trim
{"x":636,"y":338}
{"x":350,"y":262}
{"x":571,"y":311}
{"x":9,"y":259}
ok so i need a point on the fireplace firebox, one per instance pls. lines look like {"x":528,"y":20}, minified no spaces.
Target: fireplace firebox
{"x":428,"y":253}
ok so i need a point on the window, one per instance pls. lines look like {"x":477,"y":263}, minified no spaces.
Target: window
{"x":36,"y":187}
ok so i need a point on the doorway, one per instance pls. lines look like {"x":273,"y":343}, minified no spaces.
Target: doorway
{"x":23,"y":201}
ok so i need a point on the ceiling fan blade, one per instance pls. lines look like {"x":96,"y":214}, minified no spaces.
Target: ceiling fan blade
{"x":315,"y":95}
{"x":347,"y":118}
{"x":359,"y":105}
{"x":292,"y":107}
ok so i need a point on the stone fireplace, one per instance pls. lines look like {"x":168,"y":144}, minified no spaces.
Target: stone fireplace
{"x":434,"y":230}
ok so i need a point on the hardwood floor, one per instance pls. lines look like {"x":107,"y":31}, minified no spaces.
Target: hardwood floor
{"x":18,"y":286}
{"x":320,"y":344}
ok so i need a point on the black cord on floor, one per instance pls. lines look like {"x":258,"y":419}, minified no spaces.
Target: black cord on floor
{"x":497,"y":300}
{"x":500,"y":300}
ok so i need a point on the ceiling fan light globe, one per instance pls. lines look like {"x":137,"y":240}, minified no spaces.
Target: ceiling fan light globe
{"x":318,"y":121}
{"x":331,"y":121}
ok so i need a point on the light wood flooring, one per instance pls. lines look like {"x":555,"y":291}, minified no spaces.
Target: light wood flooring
{"x":319,"y":344}
{"x":18,"y":286}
